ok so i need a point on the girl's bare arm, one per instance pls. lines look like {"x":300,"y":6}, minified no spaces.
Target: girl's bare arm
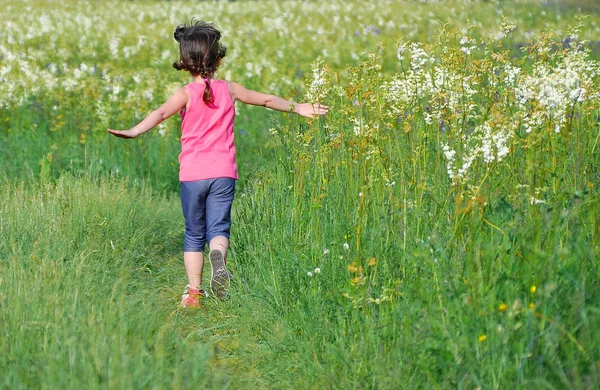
{"x":238,"y":92}
{"x":170,"y":107}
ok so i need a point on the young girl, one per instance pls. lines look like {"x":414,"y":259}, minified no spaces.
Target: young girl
{"x":208,"y":167}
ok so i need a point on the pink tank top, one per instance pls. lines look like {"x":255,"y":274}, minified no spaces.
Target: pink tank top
{"x":207,"y":148}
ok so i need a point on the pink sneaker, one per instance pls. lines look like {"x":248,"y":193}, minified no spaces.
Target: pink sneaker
{"x":191,"y":297}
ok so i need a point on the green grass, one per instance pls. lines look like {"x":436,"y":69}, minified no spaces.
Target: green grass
{"x":91,"y":275}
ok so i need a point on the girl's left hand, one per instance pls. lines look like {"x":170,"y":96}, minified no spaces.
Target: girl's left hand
{"x":311,"y":110}
{"x":124,"y":133}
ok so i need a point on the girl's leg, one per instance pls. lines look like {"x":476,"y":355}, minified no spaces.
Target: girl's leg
{"x":194,"y":263}
{"x":193,"y":204}
{"x":221,"y":243}
{"x":219,"y":276}
{"x":218,"y":214}
{"x":218,"y":223}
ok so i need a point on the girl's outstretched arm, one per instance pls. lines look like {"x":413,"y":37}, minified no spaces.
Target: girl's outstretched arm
{"x":248,"y":96}
{"x":170,"y":107}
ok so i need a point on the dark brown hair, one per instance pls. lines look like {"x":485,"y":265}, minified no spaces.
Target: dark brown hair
{"x":200,"y":51}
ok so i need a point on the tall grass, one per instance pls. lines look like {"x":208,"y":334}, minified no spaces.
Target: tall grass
{"x":391,"y":274}
{"x":79,"y":302}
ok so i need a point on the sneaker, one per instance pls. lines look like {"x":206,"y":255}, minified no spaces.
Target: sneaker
{"x":219,"y":277}
{"x":191,"y":297}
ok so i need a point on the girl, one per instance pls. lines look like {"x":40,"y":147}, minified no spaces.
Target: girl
{"x":208,"y":167}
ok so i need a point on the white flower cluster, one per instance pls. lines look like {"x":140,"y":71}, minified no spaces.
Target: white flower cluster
{"x":445,"y":89}
{"x":458,"y":102}
{"x":131,"y":45}
{"x":485,"y":141}
{"x":318,"y":88}
{"x":555,"y":90}
{"x":466,"y":45}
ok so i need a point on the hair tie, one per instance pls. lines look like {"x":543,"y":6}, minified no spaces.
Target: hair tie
{"x":206,"y":80}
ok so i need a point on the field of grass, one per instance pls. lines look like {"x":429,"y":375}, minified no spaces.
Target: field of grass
{"x":439,"y":228}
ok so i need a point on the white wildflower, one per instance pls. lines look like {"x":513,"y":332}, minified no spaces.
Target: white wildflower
{"x":533,"y":200}
{"x":400,"y":52}
{"x":318,"y":88}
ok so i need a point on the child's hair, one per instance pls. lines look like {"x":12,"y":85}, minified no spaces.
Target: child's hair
{"x":199,"y":51}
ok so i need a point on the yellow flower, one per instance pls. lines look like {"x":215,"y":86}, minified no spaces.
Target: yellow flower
{"x":502,"y":307}
{"x":372,"y":261}
{"x":533,"y":289}
{"x":531,"y":306}
{"x":482,"y":338}
{"x":352,"y":267}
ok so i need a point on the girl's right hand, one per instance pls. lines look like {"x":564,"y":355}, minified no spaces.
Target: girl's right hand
{"x":124,"y":133}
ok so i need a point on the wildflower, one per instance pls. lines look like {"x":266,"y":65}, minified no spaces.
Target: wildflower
{"x":449,"y":153}
{"x":400,"y":52}
{"x":325,"y":252}
{"x":533,"y":289}
{"x":372,"y":261}
{"x":357,"y":128}
{"x":502,"y":307}
{"x":482,"y":338}
{"x":346,"y":246}
{"x":148,"y":95}
{"x":467,"y":50}
{"x":310,"y":274}
{"x":318,"y":89}
{"x":533,"y":200}
{"x":507,"y":26}
{"x":419,"y":57}
{"x":531,"y":306}
{"x":317,"y":270}
{"x":162,"y":129}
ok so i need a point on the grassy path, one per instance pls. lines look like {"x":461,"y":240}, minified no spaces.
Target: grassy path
{"x":91,"y":273}
{"x":90,"y":278}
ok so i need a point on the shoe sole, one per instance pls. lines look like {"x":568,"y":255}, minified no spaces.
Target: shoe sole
{"x":219,"y":279}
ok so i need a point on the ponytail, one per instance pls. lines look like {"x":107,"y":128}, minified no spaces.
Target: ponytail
{"x":207,"y":96}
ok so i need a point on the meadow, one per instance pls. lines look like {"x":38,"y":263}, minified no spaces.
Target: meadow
{"x":438,"y":228}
